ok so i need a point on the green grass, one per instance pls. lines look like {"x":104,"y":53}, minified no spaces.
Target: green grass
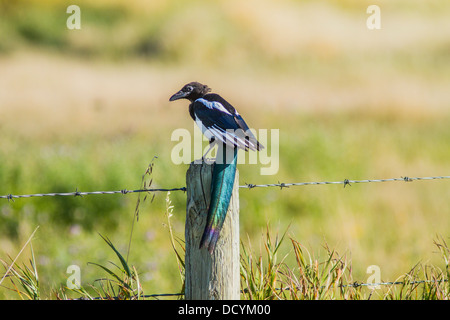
{"x":263,"y":277}
{"x":391,"y":224}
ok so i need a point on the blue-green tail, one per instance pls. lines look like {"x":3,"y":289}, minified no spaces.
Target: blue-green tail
{"x":222,"y":183}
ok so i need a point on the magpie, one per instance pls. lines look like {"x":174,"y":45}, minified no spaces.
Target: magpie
{"x":221,"y":123}
{"x":217,"y":118}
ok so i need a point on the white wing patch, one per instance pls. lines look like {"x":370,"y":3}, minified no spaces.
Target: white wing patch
{"x":231,"y":138}
{"x":214,"y":105}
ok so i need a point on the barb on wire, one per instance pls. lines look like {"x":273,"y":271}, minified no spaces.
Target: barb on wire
{"x":390,"y":283}
{"x":281,"y":185}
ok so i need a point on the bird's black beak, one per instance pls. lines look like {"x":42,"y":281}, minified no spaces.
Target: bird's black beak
{"x":179,"y":95}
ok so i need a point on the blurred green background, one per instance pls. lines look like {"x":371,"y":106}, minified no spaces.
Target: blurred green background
{"x":88,"y":109}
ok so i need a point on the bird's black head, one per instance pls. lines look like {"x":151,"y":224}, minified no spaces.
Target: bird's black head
{"x":192,"y":91}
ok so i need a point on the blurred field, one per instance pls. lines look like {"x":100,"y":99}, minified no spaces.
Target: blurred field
{"x":88,"y":109}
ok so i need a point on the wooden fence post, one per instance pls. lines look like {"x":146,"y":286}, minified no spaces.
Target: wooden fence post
{"x":216,"y":276}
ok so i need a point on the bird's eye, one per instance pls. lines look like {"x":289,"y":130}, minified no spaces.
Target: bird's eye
{"x":189,"y":88}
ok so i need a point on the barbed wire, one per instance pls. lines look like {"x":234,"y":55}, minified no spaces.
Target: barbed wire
{"x":390,"y":283}
{"x":371,"y":286}
{"x":345,"y":182}
{"x":281,"y":185}
{"x":80,"y":193}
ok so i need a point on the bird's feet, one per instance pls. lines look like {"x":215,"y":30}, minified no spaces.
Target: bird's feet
{"x":208,"y":160}
{"x":205,"y":160}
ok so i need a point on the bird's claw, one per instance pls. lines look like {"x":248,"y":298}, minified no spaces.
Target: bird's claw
{"x":208,"y":160}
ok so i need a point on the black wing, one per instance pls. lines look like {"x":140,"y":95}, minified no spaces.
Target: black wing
{"x":218,"y":119}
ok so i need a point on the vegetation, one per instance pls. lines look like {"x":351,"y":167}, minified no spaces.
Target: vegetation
{"x":88,"y":110}
{"x":262,"y":278}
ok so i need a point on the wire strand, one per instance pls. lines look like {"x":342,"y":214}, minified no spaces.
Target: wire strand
{"x":371,"y":286}
{"x":345,"y":182}
{"x":80,"y":193}
{"x":281,"y":185}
